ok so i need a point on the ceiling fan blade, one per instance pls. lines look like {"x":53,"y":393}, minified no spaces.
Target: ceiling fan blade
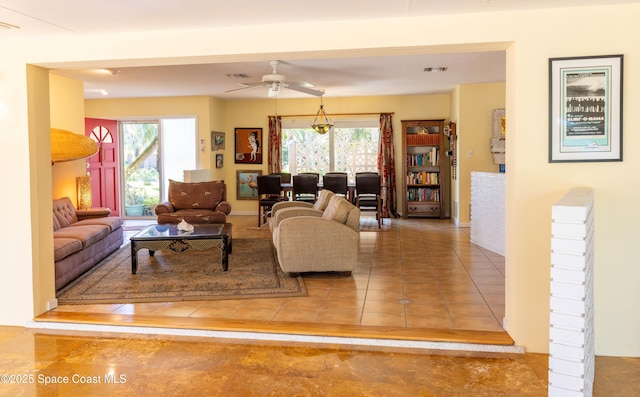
{"x":256,"y":84}
{"x":299,"y":84}
{"x":245,"y":86}
{"x":304,"y":88}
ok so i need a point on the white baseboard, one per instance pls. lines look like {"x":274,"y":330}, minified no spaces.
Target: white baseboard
{"x":52,"y":304}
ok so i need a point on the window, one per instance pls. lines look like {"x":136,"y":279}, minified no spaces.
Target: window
{"x":154,"y":152}
{"x":350,"y":146}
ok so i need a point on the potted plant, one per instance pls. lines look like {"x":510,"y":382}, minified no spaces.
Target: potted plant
{"x":133,"y":201}
{"x":150,"y":200}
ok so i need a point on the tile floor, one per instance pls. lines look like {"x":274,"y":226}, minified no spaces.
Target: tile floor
{"x":412,"y":271}
{"x":415,"y":273}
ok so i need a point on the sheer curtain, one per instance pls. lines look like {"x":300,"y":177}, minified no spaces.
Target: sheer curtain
{"x":275,"y":144}
{"x":386,"y":166}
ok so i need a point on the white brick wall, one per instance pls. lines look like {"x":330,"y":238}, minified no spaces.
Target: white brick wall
{"x":571,"y":339}
{"x":488,"y":211}
{"x":197,"y":175}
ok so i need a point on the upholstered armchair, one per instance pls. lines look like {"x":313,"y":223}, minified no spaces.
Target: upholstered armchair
{"x":195,"y":202}
{"x":320,"y":241}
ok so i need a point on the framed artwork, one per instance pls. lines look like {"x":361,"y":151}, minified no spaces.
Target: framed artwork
{"x":248,"y":145}
{"x":217,"y":140}
{"x":499,"y":124}
{"x":219,"y":160}
{"x":247,"y":185}
{"x":585,"y":114}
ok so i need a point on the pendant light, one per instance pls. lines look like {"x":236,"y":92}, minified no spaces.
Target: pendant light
{"x":322,"y":123}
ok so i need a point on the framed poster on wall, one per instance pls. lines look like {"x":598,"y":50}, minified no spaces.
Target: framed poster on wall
{"x":585,"y":115}
{"x":217,"y":140}
{"x":248,"y":145}
{"x":247,"y":185}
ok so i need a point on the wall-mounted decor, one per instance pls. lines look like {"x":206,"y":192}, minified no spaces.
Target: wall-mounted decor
{"x":217,"y":140}
{"x":247,"y":185}
{"x":248,"y":145}
{"x":219,"y":160}
{"x":498,"y":141}
{"x":585,"y":115}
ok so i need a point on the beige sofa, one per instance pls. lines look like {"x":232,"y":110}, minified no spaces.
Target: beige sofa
{"x":195,"y":202}
{"x":81,"y":239}
{"x":315,"y":240}
{"x":300,"y":208}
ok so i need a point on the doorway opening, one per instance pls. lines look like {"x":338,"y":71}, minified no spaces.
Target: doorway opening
{"x":154,"y":151}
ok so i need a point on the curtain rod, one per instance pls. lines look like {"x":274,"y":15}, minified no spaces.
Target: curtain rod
{"x":336,"y":114}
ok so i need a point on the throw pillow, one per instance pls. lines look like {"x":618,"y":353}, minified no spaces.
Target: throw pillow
{"x":194,"y":195}
{"x":338,"y":209}
{"x":323,"y":200}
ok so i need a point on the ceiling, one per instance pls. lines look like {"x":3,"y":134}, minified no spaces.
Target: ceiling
{"x":361,"y":76}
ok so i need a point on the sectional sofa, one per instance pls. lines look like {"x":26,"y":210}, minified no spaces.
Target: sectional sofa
{"x":81,"y":239}
{"x":322,"y":237}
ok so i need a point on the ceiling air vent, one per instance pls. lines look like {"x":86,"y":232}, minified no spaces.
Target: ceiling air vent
{"x":439,"y":69}
{"x":237,"y":75}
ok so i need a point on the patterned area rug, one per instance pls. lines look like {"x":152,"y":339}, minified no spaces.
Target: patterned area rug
{"x":191,"y":275}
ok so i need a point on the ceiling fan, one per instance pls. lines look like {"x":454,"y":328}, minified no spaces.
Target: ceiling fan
{"x":276,"y":81}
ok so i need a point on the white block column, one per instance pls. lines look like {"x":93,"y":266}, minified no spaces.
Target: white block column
{"x":488,"y":211}
{"x":571,"y":346}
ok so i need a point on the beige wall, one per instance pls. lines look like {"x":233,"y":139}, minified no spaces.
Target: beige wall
{"x":533,"y":184}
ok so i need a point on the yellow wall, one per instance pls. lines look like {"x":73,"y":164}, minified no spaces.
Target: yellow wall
{"x":67,"y":110}
{"x":254,"y":114}
{"x":225,"y":116}
{"x":475,"y":129}
{"x":150,"y":108}
{"x":454,"y":116}
{"x":533,"y":184}
{"x":30,"y":267}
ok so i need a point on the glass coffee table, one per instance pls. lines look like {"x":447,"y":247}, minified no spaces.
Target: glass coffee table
{"x":167,"y":236}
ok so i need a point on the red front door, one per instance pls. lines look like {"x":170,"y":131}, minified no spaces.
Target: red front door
{"x":103,"y":166}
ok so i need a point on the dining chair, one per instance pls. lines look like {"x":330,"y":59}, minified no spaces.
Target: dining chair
{"x":317,"y":174}
{"x":269,"y":193}
{"x":305,"y":188}
{"x":336,"y":182}
{"x":285,"y":177}
{"x":368,"y":195}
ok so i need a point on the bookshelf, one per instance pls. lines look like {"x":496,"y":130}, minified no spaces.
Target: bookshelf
{"x":425,"y":174}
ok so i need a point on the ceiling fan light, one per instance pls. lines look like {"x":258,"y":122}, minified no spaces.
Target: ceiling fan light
{"x":268,"y":78}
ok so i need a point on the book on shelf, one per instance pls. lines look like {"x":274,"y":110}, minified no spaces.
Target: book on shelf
{"x":423,"y":139}
{"x":423,"y":178}
{"x":423,"y":194}
{"x":430,"y":158}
